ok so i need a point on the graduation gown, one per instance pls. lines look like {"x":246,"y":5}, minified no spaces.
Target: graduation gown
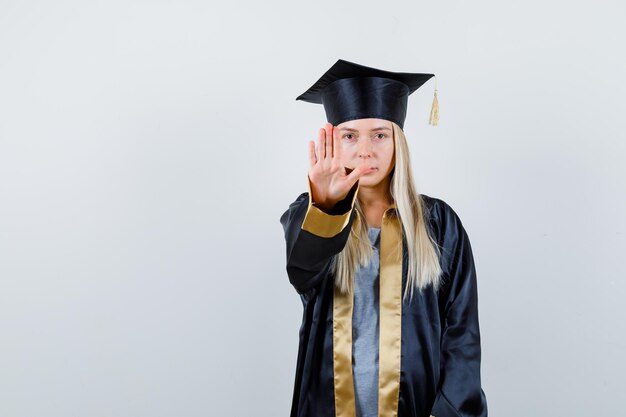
{"x":429,"y":349}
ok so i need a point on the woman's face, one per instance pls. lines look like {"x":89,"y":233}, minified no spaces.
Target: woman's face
{"x":368,"y":141}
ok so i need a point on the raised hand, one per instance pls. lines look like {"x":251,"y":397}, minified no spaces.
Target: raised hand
{"x":330,"y":181}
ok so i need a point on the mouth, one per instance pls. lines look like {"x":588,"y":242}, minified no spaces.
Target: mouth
{"x":349,"y":170}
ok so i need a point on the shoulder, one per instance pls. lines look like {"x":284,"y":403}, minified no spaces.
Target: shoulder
{"x":448,"y":230}
{"x":302,"y":198}
{"x":440,"y":215}
{"x":301,"y":202}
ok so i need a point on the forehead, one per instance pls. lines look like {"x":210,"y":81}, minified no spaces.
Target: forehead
{"x":365,"y":125}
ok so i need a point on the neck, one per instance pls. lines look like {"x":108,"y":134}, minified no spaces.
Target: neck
{"x":376,"y":196}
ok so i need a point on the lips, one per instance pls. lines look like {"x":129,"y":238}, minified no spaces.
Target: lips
{"x":349,"y":170}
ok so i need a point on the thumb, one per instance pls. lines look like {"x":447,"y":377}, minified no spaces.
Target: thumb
{"x":357,"y":172}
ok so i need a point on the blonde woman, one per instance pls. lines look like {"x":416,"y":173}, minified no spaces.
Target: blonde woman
{"x":385,"y":274}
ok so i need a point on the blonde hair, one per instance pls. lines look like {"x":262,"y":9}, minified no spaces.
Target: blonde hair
{"x":423,"y":252}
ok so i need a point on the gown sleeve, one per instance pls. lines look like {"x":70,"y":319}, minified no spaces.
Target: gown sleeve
{"x":460,"y":393}
{"x":314,"y":236}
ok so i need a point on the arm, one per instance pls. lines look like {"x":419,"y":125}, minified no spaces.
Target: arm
{"x":314,"y":236}
{"x":460,"y":392}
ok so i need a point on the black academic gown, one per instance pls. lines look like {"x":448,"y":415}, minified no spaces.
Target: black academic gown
{"x":429,"y":352}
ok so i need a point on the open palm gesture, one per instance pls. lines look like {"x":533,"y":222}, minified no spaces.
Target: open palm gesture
{"x":330,"y":183}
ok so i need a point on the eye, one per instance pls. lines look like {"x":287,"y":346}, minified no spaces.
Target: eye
{"x":381,"y":136}
{"x":346,"y":136}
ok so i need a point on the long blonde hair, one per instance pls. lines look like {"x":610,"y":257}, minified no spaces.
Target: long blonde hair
{"x":423,"y":252}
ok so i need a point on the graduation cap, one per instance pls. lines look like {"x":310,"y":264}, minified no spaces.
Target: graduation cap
{"x":352,"y":91}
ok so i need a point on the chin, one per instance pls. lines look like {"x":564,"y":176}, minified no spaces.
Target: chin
{"x":368,"y":181}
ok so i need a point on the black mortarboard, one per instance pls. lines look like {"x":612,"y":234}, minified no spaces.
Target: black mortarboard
{"x":351,"y":91}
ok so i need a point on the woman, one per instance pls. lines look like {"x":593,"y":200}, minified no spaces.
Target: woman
{"x":359,"y":242}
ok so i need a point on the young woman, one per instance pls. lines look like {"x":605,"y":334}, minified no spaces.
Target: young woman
{"x":385,"y":274}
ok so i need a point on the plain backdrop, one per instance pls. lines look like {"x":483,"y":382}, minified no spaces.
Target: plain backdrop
{"x":148,"y":149}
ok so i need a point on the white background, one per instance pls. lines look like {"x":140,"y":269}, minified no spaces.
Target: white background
{"x":148,"y":149}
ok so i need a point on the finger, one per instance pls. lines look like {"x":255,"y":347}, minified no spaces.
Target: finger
{"x":329,"y":140}
{"x":321,"y":145}
{"x":358,"y":172}
{"x":312,"y":157}
{"x":337,"y":145}
{"x":327,"y":134}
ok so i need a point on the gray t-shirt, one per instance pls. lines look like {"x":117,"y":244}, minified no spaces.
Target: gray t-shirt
{"x":365,"y":332}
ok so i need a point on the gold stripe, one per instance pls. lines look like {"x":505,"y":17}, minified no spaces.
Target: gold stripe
{"x":342,"y":354}
{"x":323,"y":224}
{"x":390,"y":315}
{"x":390,"y":329}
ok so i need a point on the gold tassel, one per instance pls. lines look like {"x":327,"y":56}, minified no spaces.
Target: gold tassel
{"x":434,"y":110}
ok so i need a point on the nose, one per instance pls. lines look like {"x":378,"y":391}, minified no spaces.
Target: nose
{"x":365,"y":150}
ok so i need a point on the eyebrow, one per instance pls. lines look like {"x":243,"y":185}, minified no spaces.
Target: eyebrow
{"x":349,"y":129}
